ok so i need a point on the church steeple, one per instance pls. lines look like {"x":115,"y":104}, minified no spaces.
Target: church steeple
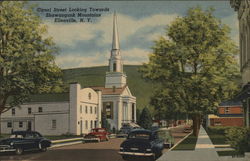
{"x":115,"y":43}
{"x":115,"y":78}
{"x":115,"y":61}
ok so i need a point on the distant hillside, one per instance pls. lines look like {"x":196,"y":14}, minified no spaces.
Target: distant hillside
{"x":95,"y":76}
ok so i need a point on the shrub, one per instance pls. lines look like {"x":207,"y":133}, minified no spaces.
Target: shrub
{"x":239,"y":139}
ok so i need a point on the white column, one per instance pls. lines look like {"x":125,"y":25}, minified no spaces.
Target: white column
{"x":99,"y":109}
{"x":74,"y":104}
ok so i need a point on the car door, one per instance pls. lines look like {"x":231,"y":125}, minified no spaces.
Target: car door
{"x":158,"y":142}
{"x":37,"y":139}
{"x":28,"y":141}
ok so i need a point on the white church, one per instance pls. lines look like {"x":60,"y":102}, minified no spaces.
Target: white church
{"x":79,"y":110}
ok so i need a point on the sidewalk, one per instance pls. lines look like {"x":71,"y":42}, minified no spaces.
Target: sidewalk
{"x":204,"y":151}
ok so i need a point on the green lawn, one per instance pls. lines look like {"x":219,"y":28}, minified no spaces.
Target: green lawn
{"x":187,"y":144}
{"x":227,"y":153}
{"x":61,"y":137}
{"x":4,"y":136}
{"x":219,"y":138}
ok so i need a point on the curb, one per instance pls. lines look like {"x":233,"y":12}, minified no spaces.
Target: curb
{"x":180,"y":141}
{"x":65,"y":144}
{"x":65,"y":140}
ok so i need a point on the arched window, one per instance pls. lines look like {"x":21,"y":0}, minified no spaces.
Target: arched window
{"x":114,"y":67}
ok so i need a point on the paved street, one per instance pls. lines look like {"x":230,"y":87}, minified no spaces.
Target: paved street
{"x":103,"y":151}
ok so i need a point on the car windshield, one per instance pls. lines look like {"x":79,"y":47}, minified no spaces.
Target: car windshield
{"x":16,"y":136}
{"x":139,"y":136}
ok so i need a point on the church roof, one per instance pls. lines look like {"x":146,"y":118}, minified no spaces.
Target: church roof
{"x":110,"y":91}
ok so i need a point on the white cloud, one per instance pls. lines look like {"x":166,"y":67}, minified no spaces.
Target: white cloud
{"x":74,"y":61}
{"x":135,"y":56}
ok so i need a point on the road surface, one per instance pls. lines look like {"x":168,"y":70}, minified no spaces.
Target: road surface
{"x":103,"y":151}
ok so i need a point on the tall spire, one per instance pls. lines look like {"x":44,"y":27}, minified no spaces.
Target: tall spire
{"x":115,"y":43}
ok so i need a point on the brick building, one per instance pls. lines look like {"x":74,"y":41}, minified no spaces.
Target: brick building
{"x":229,"y":114}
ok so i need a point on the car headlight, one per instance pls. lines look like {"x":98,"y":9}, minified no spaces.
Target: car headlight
{"x":148,"y":150}
{"x":121,"y":148}
{"x":11,"y":143}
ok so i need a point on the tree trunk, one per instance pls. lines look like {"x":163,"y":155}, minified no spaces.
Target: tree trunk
{"x":196,"y":124}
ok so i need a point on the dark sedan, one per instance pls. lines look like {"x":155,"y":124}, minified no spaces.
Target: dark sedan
{"x":20,"y":141}
{"x":142,"y":143}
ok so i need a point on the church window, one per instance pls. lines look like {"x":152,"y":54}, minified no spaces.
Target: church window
{"x":53,"y":124}
{"x":86,"y":109}
{"x":89,"y":96}
{"x":9,"y":124}
{"x":91,"y":110}
{"x":40,"y":109}
{"x":13,"y":111}
{"x":91,"y":124}
{"x":114,"y":67}
{"x":20,"y":124}
{"x":29,"y":110}
{"x":95,"y":110}
{"x":108,"y":109}
{"x":95,"y":124}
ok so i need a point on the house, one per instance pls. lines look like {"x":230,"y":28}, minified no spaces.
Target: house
{"x":80,"y":109}
{"x":243,"y":9}
{"x":230,"y":113}
{"x":75,"y":112}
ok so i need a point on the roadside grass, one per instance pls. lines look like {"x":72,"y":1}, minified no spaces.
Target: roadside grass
{"x":59,"y":137}
{"x":187,"y":144}
{"x":227,"y":153}
{"x":4,"y":135}
{"x":218,"y":137}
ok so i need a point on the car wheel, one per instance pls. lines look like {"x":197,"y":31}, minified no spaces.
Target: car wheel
{"x":42,"y":148}
{"x":19,"y":151}
{"x":152,"y":158}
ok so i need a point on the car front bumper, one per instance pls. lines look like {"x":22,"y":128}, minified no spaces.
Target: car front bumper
{"x":135,"y":153}
{"x":6,"y":148}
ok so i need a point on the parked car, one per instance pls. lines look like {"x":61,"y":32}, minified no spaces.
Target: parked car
{"x":96,"y":134}
{"x":142,"y":143}
{"x":20,"y":141}
{"x":166,"y":135}
{"x":126,"y":129}
{"x":187,"y":129}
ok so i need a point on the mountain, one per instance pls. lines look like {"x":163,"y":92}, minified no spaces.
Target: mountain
{"x":95,"y":76}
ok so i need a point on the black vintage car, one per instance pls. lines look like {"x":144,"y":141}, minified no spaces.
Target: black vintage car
{"x":142,"y":143}
{"x":20,"y":141}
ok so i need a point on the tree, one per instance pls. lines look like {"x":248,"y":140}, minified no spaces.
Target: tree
{"x":26,"y":56}
{"x":145,"y":120}
{"x":195,"y":64}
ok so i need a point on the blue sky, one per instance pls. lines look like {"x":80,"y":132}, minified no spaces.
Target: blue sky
{"x":139,"y":24}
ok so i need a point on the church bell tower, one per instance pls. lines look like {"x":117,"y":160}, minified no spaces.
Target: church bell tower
{"x":115,"y":77}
